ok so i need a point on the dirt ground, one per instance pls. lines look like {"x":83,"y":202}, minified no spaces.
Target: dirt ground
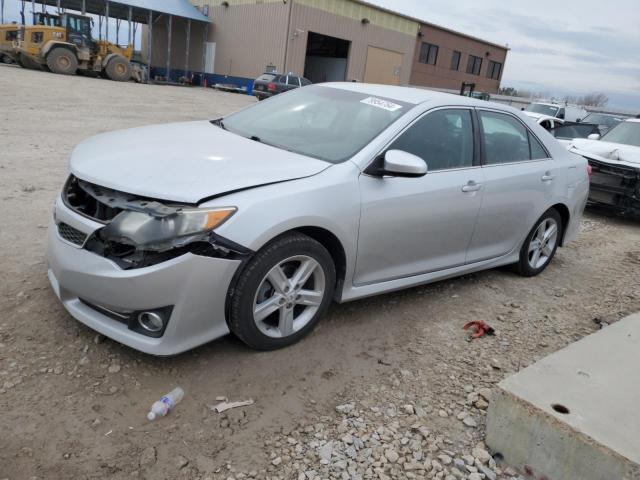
{"x":386,"y":387}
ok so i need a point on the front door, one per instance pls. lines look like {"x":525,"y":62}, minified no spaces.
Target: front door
{"x":411,"y":226}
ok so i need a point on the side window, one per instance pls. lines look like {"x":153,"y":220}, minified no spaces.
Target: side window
{"x":561,"y":113}
{"x":506,"y":140}
{"x":293,"y":81}
{"x":537,"y":152}
{"x":304,"y":81}
{"x":443,"y":139}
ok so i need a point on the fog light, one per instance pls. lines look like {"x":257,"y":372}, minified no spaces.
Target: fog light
{"x":151,"y":321}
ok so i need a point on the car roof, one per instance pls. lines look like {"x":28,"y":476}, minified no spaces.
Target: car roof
{"x":411,"y":95}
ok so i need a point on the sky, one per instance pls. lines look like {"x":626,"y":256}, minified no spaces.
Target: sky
{"x":559,"y":47}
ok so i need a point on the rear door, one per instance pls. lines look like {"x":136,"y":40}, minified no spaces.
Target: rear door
{"x":411,"y":226}
{"x":519,"y":179}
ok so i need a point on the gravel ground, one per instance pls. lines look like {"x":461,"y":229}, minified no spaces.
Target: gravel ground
{"x":387,"y":387}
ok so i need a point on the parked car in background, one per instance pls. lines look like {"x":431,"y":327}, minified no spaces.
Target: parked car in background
{"x":568,"y":113}
{"x":615,"y":162}
{"x":604,"y":121}
{"x":166,"y":237}
{"x":270,"y":84}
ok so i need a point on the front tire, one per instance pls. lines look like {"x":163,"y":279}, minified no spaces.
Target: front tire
{"x":118,"y":69}
{"x":282,"y":293}
{"x":541,"y":244}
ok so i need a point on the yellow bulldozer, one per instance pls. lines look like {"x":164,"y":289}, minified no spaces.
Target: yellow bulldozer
{"x":63,"y":44}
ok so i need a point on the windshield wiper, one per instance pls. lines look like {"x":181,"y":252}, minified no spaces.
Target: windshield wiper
{"x":255,"y":138}
{"x":219,"y":123}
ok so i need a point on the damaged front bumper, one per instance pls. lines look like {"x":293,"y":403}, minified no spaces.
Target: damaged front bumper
{"x":615,"y":187}
{"x":103,"y":295}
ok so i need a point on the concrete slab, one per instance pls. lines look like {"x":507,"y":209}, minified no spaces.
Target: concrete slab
{"x":576,"y":413}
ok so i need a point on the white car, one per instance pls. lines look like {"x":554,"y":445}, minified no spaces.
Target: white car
{"x":615,"y":163}
{"x":568,"y":113}
{"x":169,"y":236}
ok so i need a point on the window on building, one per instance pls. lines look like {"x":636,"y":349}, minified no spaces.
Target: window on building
{"x":474,"y":65}
{"x":428,"y":53}
{"x":455,"y":60}
{"x":494,"y":70}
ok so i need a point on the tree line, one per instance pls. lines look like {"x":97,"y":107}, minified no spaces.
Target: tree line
{"x":594,"y":99}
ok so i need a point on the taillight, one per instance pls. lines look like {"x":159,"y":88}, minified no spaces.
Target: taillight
{"x":589,"y":170}
{"x":271,"y":87}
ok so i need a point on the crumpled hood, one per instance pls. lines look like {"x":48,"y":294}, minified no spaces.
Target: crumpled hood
{"x":185,"y":162}
{"x":534,"y":115}
{"x":607,"y":152}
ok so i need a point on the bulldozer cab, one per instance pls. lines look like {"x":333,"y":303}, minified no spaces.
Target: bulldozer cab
{"x":78,"y":29}
{"x":47,"y":19}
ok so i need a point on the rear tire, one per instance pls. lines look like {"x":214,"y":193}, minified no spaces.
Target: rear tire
{"x":282,"y":293}
{"x":541,"y":244}
{"x":62,"y":61}
{"x":118,"y":69}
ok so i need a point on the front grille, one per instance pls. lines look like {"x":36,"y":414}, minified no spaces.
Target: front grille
{"x":79,"y":200}
{"x":71,"y":235}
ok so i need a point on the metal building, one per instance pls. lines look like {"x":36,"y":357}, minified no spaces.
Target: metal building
{"x":324,"y":40}
{"x":168,"y":13}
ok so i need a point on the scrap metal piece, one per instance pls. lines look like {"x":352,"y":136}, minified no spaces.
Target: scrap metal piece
{"x":224,"y":406}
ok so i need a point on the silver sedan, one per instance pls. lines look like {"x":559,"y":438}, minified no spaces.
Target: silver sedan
{"x":167,"y":237}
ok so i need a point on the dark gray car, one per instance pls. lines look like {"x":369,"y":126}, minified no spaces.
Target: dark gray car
{"x":270,"y":84}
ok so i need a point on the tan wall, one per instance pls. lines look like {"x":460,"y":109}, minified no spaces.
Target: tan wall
{"x":305,"y":19}
{"x":248,"y":36}
{"x":441,"y":75}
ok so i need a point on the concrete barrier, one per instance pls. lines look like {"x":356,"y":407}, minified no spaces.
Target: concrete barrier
{"x":574,"y":415}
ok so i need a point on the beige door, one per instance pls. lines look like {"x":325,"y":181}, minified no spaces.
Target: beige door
{"x":383,"y":66}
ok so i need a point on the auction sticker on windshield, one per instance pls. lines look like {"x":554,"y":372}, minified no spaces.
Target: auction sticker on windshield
{"x":380,"y":103}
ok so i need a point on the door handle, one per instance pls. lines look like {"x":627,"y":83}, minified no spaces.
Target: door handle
{"x":547,"y":177}
{"x":471,"y":186}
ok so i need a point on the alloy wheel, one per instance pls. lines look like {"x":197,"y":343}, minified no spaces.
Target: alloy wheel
{"x":289,"y":296}
{"x":543,"y":243}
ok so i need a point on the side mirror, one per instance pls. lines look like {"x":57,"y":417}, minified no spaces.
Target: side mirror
{"x":594,"y":136}
{"x":398,"y":163}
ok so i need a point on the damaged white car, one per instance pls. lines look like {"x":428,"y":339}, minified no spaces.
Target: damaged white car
{"x":615,"y":163}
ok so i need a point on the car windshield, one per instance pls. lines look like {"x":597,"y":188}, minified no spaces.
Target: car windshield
{"x":626,"y":133}
{"x":599,"y":119}
{"x":327,"y":123}
{"x":550,"y":110}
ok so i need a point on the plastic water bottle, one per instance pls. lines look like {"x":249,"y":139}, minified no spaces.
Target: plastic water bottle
{"x":166,"y":403}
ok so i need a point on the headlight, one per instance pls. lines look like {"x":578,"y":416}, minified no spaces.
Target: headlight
{"x":161,"y":233}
